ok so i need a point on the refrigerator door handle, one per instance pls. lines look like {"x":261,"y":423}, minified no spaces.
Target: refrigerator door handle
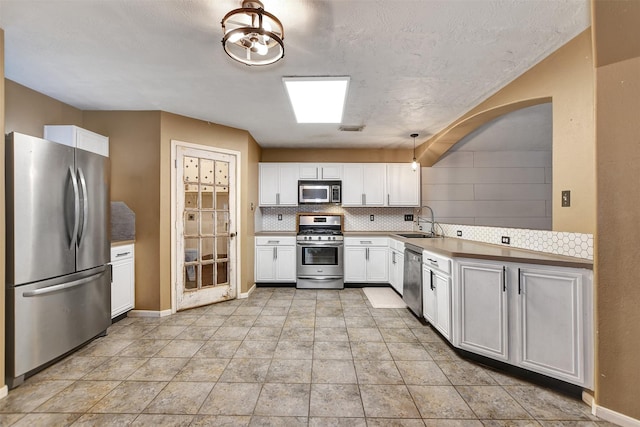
{"x":85,"y":205}
{"x":56,"y":288}
{"x":76,"y":208}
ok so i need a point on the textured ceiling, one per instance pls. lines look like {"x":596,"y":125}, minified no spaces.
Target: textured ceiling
{"x":415,"y":66}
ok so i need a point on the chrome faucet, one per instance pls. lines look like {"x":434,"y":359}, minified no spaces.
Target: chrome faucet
{"x":432,"y":231}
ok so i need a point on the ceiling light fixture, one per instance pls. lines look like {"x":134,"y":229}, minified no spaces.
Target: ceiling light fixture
{"x":252,"y":35}
{"x":414,"y":164}
{"x":317,"y":99}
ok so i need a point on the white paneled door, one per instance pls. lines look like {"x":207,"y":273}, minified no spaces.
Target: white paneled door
{"x":205,"y":229}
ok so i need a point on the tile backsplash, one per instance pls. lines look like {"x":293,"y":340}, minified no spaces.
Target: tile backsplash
{"x":392,"y":219}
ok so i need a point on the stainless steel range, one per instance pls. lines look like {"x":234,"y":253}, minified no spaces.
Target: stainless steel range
{"x":320,"y":245}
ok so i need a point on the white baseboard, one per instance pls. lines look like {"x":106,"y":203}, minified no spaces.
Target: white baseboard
{"x":4,"y":391}
{"x":246,"y":294}
{"x":613,"y":416}
{"x":149,"y":313}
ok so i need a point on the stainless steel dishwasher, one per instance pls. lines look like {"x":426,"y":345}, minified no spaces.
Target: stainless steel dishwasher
{"x":412,"y":284}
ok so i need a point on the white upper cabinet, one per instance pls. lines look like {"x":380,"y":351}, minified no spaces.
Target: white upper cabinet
{"x":321,"y":171}
{"x":76,"y":137}
{"x":403,"y":185}
{"x":279,"y":184}
{"x":363,"y":184}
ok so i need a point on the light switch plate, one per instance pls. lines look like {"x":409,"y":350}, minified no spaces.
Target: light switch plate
{"x":566,"y":198}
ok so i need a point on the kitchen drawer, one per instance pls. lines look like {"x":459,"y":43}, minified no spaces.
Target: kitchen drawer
{"x":121,"y":252}
{"x":396,"y":245}
{"x":436,"y":261}
{"x":275,"y":240}
{"x":366,"y":241}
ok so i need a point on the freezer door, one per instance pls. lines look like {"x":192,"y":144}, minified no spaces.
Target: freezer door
{"x":48,"y":319}
{"x":42,"y":207}
{"x":93,"y":237}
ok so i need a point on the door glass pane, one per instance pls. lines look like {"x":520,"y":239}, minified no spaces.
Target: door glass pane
{"x":190,"y":169}
{"x":222,"y":223}
{"x":190,"y":250}
{"x":222,"y":173}
{"x":207,"y":196}
{"x":207,"y":248}
{"x":208,"y":275}
{"x":190,"y":224}
{"x":222,"y":248}
{"x":190,"y":196}
{"x":207,"y":223}
{"x":206,"y":171}
{"x":191,"y":277}
{"x":222,"y":198}
{"x":222,"y":273}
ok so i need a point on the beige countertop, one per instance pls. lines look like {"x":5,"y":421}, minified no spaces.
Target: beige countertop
{"x":459,"y":248}
{"x":115,"y":243}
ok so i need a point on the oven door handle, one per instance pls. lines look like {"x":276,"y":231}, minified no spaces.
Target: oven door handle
{"x":310,"y":243}
{"x":320,"y":278}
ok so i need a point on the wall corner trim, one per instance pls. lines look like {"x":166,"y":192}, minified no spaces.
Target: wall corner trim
{"x":613,"y":416}
{"x":149,"y":313}
{"x":4,"y":391}
{"x":249,"y":292}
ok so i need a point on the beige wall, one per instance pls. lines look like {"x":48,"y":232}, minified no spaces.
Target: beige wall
{"x":335,"y":155}
{"x":185,"y":129}
{"x":616,"y":36}
{"x":28,"y":111}
{"x":134,"y":140}
{"x":565,"y":77}
{"x":2,"y":211}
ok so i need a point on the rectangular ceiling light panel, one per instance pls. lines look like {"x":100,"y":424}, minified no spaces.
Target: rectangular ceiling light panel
{"x":317,"y":99}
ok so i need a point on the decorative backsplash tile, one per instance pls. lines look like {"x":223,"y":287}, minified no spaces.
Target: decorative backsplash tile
{"x":578,"y":245}
{"x":355,"y":219}
{"x":556,"y":242}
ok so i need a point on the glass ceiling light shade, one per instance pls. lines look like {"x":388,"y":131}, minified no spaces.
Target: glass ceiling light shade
{"x":414,"y":164}
{"x":252,"y":35}
{"x":317,"y":99}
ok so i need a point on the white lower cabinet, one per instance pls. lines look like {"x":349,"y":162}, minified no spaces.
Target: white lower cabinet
{"x":275,"y":259}
{"x":552,"y":323}
{"x":366,"y":260}
{"x":535,"y":317}
{"x":483,"y":306}
{"x":436,"y":293}
{"x":123,"y":292}
{"x":396,"y":270}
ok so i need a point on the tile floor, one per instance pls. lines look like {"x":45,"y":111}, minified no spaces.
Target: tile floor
{"x":283,"y":357}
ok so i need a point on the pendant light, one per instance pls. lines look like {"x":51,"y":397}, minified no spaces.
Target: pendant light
{"x":414,"y":164}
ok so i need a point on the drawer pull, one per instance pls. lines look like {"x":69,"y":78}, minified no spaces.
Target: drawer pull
{"x":122,"y":254}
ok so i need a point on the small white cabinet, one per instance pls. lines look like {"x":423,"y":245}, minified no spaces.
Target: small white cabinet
{"x":77,"y":137}
{"x":123,"y":279}
{"x":363,"y":184}
{"x":403,"y":185}
{"x":483,"y":305}
{"x":278,"y":185}
{"x":436,"y":292}
{"x":321,"y":171}
{"x":366,"y":260}
{"x":396,"y":265}
{"x":275,"y":259}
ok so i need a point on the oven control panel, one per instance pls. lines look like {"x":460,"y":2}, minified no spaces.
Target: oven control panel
{"x":319,"y":238}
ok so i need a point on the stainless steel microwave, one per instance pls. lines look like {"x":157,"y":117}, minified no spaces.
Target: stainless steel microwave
{"x":310,"y":192}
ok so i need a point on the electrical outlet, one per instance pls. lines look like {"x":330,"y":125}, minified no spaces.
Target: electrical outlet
{"x":408,"y":217}
{"x":459,"y":233}
{"x":566,"y":198}
{"x":506,"y":240}
{"x":279,"y":217}
{"x":371,"y":217}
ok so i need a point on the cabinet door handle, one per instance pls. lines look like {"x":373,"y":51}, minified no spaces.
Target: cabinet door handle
{"x":367,"y":253}
{"x":277,"y":198}
{"x":431,"y":275}
{"x":393,"y":257}
{"x":275,"y":253}
{"x":504,"y":278}
{"x":388,"y":200}
{"x":519,"y":282}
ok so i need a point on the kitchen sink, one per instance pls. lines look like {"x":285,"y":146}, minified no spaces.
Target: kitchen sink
{"x":415,"y":235}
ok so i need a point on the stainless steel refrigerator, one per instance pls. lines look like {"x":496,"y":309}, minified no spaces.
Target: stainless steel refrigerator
{"x":58,"y":281}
